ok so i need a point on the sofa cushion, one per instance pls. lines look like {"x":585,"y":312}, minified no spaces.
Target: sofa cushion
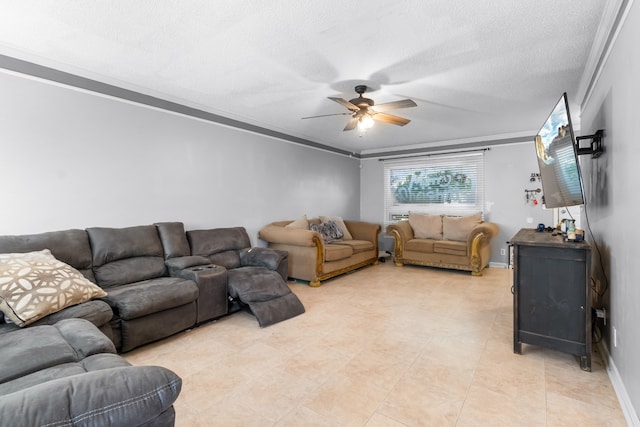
{"x":458,"y":227}
{"x":302,"y":223}
{"x":69,"y":246}
{"x":32,"y":349}
{"x":173,"y":238}
{"x":226,"y":259}
{"x":36,"y":284}
{"x":126,"y":255}
{"x":357,"y":245}
{"x":426,"y":226}
{"x":420,"y":245}
{"x":151,"y":296}
{"x":215,"y":240}
{"x":329,"y":231}
{"x":335,"y":252}
{"x":346,"y":235}
{"x":450,"y":247}
{"x":120,"y":396}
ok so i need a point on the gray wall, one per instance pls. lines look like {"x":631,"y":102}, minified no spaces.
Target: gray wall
{"x":612,"y":201}
{"x":72,"y":159}
{"x":507,"y":172}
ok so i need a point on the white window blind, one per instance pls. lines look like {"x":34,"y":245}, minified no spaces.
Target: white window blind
{"x":450,"y":184}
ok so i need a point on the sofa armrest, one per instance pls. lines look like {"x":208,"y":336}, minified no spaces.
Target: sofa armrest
{"x":402,"y":230}
{"x":177,"y":265}
{"x":363,"y":230}
{"x":124,"y":396}
{"x":288,"y":236}
{"x":484,"y":230}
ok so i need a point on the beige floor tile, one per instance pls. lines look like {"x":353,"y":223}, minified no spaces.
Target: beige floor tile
{"x":379,"y":420}
{"x":564,"y":411}
{"x":383,"y":346}
{"x":417,"y":402}
{"x":485,"y":407}
{"x":347,"y":400}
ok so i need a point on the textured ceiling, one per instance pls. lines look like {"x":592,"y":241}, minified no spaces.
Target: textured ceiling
{"x":476,"y":69}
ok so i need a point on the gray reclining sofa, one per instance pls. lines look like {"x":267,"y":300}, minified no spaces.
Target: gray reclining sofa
{"x":68,"y":374}
{"x":161,"y":280}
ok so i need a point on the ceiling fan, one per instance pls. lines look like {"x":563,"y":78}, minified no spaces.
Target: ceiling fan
{"x":364,"y":111}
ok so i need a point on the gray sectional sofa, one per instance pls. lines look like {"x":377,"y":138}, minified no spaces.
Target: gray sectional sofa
{"x":153,"y":281}
{"x":68,"y":374}
{"x":161,"y":280}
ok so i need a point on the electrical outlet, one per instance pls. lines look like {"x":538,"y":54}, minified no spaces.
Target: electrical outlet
{"x":503,"y":251}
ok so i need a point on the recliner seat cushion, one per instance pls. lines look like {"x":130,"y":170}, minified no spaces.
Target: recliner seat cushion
{"x":91,"y":363}
{"x":67,"y":341}
{"x":151,"y":296}
{"x":121,"y":396}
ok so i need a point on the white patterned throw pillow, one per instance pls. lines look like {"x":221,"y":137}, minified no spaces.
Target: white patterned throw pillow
{"x":36,"y":284}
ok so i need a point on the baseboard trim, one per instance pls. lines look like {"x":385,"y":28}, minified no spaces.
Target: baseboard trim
{"x":618,"y":386}
{"x":498,"y":264}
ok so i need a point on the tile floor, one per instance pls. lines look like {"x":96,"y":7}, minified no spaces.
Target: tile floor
{"x":383,"y":346}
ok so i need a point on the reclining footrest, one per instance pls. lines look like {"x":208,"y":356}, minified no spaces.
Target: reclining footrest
{"x":265,"y":292}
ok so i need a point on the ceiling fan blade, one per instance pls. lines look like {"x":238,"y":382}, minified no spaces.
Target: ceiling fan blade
{"x":404,"y":103}
{"x":388,"y":118}
{"x":353,"y":121}
{"x":327,"y":115}
{"x":345,"y":103}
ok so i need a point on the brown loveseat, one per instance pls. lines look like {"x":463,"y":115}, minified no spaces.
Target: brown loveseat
{"x":313,"y":259}
{"x":461,"y":243}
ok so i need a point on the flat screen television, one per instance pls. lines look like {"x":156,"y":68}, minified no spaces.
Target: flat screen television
{"x":558,"y":159}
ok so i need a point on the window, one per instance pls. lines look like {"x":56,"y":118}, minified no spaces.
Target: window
{"x":444,"y":184}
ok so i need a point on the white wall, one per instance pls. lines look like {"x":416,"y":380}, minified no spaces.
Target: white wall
{"x":507,"y":172}
{"x":72,"y":159}
{"x":611,"y":185}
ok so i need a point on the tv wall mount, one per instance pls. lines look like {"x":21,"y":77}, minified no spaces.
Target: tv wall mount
{"x":595,"y":146}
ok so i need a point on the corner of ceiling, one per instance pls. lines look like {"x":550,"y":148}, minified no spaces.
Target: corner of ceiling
{"x":611,"y":22}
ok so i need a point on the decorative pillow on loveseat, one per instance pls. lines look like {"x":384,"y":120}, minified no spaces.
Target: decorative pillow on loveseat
{"x":346,"y":235}
{"x":329,"y":231}
{"x":426,"y":226}
{"x":301,"y":222}
{"x":36,"y":284}
{"x":458,"y":227}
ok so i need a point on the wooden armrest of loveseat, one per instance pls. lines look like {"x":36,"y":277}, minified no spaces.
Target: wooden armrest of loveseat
{"x":401,"y":229}
{"x":485,"y":230}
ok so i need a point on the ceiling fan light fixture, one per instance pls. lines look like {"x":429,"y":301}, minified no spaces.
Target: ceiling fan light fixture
{"x":365,"y":122}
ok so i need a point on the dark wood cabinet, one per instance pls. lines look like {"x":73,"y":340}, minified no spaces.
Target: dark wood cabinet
{"x":552,"y":294}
